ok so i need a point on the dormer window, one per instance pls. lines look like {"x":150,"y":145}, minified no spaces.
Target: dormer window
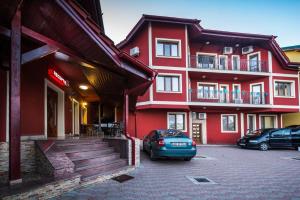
{"x":168,"y":48}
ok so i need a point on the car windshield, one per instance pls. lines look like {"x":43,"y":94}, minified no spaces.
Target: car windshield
{"x":258,"y":132}
{"x":171,"y":133}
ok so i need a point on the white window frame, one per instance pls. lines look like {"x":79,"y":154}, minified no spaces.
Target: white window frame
{"x":293,"y":88}
{"x":259,"y":60}
{"x":226,"y":61}
{"x":206,"y":54}
{"x":178,"y":113}
{"x":254,"y":117}
{"x":268,"y":115}
{"x":240,"y":89}
{"x":262,"y":89}
{"x":169,"y":74}
{"x":207,"y":83}
{"x":239,"y":62}
{"x":168,"y":40}
{"x":236,"y":123}
{"x":227,"y":95}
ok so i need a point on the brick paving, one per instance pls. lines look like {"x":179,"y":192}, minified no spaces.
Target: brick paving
{"x":238,"y":173}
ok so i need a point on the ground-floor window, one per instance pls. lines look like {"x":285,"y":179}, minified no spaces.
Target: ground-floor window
{"x":229,"y":123}
{"x":177,"y":121}
{"x":251,"y":120}
{"x":268,"y":121}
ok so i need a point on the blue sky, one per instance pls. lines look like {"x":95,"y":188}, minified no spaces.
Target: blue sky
{"x":271,"y":17}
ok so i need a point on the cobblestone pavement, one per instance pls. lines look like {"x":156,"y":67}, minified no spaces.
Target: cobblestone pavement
{"x":238,"y":173}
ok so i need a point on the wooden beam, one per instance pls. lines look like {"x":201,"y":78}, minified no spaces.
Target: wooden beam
{"x":38,"y":53}
{"x":14,"y":100}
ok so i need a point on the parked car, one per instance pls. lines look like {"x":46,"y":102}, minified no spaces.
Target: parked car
{"x":272,"y":138}
{"x":169,"y":143}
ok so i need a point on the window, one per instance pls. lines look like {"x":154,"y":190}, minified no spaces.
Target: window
{"x":176,"y":121}
{"x":251,"y":123}
{"x":168,"y":83}
{"x":235,"y":62}
{"x":257,"y":94}
{"x":281,"y":133}
{"x":254,"y":62}
{"x":206,"y":61}
{"x":207,"y":91}
{"x":167,"y":48}
{"x":284,"y":89}
{"x":229,"y":123}
{"x":236,"y":91}
{"x":268,"y":122}
{"x":222,"y":62}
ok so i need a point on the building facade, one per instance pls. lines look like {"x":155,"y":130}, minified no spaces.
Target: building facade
{"x":214,"y":85}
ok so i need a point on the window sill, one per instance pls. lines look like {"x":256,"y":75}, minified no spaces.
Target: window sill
{"x":230,"y":132}
{"x":175,"y":57}
{"x":169,"y":92}
{"x":289,"y":97}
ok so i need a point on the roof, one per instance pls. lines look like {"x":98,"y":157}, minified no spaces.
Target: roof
{"x":291,"y":48}
{"x":269,"y":40}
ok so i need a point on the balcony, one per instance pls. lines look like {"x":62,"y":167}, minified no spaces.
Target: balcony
{"x":229,"y":97}
{"x":234,"y":65}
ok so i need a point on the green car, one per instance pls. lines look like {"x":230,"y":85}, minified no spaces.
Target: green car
{"x":169,"y":143}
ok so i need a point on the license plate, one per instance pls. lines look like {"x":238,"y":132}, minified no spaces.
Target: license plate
{"x":178,"y":144}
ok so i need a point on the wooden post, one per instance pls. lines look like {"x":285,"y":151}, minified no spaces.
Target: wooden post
{"x":14,"y":101}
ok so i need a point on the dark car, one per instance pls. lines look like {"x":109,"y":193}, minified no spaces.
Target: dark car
{"x":169,"y":143}
{"x":272,"y":138}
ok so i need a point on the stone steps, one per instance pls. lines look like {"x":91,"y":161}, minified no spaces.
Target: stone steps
{"x":93,"y":162}
{"x":82,"y":148}
{"x":89,"y":154}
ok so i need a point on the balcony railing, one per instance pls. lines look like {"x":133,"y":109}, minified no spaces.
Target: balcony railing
{"x":230,"y":97}
{"x":229,"y":64}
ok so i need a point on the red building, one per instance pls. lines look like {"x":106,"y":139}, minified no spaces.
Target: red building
{"x":214,"y":85}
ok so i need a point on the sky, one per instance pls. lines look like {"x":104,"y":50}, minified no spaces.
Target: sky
{"x":271,"y":17}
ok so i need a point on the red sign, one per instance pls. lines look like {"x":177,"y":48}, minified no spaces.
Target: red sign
{"x":57,"y":77}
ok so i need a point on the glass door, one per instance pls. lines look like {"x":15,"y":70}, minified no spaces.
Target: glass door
{"x":224,"y":93}
{"x":257,"y":94}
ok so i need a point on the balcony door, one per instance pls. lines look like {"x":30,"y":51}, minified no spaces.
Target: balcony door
{"x":257,"y":94}
{"x":224,"y":93}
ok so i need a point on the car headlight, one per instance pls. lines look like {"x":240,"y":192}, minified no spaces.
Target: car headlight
{"x":253,"y":141}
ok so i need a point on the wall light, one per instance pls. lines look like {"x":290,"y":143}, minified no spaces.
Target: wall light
{"x":83,"y":87}
{"x":84,"y":103}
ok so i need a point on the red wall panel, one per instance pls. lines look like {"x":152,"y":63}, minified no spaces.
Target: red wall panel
{"x":3,"y":92}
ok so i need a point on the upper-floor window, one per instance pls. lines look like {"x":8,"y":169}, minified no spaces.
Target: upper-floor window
{"x":207,"y":91}
{"x":222,"y":62}
{"x":235,"y":62}
{"x":254,"y":62}
{"x":168,"y":83}
{"x":206,"y":61}
{"x":284,"y":88}
{"x":168,"y":48}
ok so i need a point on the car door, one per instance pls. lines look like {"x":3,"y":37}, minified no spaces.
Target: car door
{"x":280,"y":138}
{"x":295,"y":135}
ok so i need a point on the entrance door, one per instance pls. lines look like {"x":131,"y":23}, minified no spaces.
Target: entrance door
{"x":52,"y":103}
{"x":257,"y":97}
{"x":197,"y":132}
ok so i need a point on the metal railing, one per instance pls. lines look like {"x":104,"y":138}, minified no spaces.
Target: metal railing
{"x":229,"y":64}
{"x":231,"y":97}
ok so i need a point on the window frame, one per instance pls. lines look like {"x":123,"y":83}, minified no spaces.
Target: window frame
{"x":293,"y":88}
{"x":263,"y":100}
{"x":240,"y":89}
{"x":184,"y":120}
{"x":207,"y":54}
{"x":168,"y":40}
{"x":208,"y":83}
{"x":239,"y":62}
{"x":259,"y":61}
{"x":169,"y":75}
{"x":266,"y":115}
{"x":236,"y":123}
{"x":254,"y":118}
{"x":226,"y":62}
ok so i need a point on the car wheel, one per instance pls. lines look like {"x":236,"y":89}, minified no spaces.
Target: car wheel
{"x":152,"y":157}
{"x":187,"y":159}
{"x":263,"y":146}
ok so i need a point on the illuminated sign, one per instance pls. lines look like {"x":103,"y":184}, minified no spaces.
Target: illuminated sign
{"x":57,"y":77}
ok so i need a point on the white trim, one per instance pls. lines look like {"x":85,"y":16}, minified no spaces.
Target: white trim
{"x":75,"y":119}
{"x":169,"y":74}
{"x":259,"y":60}
{"x":206,"y":83}
{"x":270,"y":63}
{"x":239,"y":62}
{"x":267,"y":115}
{"x":186,"y":46}
{"x":178,"y":113}
{"x":262,"y":90}
{"x":242,"y":124}
{"x":168,"y":40}
{"x":60,"y":108}
{"x":7,"y":107}
{"x":271,"y":91}
{"x":281,"y":124}
{"x":254,"y":118}
{"x":227,"y":88}
{"x":169,"y":68}
{"x":204,"y":130}
{"x":150,"y":43}
{"x":226,"y":61}
{"x":240,"y":90}
{"x":207,"y":54}
{"x":236,"y":123}
{"x":285,"y":75}
{"x":187,"y":86}
{"x":293,"y":90}
{"x":190,"y":124}
{"x":229,"y":72}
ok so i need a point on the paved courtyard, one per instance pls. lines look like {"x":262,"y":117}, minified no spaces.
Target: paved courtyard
{"x":237,"y":173}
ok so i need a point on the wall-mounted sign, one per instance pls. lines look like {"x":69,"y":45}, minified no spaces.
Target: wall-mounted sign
{"x":57,"y":77}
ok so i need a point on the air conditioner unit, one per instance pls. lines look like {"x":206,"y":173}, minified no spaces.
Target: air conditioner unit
{"x":248,"y":49}
{"x":227,"y":50}
{"x":135,"y":51}
{"x":238,"y":101}
{"x":201,"y":115}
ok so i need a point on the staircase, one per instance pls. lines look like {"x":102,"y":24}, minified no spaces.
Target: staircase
{"x":89,"y":158}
